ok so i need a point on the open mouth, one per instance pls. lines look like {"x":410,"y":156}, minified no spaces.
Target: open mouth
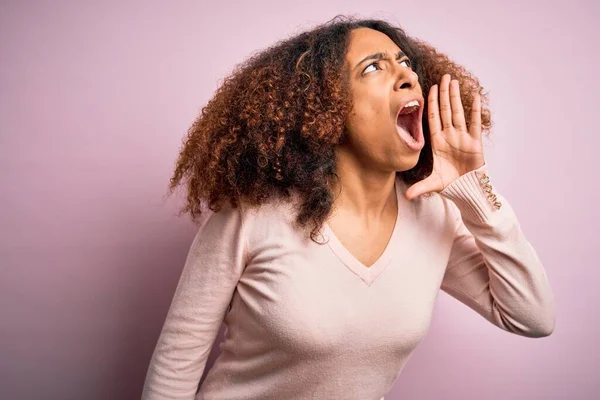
{"x":408,"y":120}
{"x":408,"y":124}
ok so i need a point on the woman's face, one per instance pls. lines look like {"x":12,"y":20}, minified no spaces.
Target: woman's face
{"x":380,"y":87}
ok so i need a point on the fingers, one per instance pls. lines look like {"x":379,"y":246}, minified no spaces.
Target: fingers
{"x":433,"y":108}
{"x":419,"y":188}
{"x":445,"y":111}
{"x":433,"y":183}
{"x":475,"y":126}
{"x":458,"y":114}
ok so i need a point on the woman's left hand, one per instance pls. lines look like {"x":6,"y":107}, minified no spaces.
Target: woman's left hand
{"x":456,"y":150}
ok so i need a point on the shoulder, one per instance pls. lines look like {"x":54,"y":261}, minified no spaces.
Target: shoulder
{"x":226,"y":225}
{"x":275,"y":218}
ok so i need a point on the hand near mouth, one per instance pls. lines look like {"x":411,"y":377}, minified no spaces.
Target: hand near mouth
{"x":456,"y":149}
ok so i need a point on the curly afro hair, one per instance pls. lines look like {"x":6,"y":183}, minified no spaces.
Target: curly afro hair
{"x":273,"y":125}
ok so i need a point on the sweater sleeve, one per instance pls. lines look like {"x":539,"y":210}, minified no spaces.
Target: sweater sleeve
{"x":214,"y":264}
{"x":492,"y":267}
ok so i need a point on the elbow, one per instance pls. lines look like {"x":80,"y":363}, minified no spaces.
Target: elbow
{"x":541,"y":332}
{"x":542,"y":318}
{"x":543,"y":326}
{"x":547,"y":328}
{"x":548,"y":322}
{"x":534,"y":325}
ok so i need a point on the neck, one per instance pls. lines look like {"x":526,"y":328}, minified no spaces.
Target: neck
{"x":363,"y":193}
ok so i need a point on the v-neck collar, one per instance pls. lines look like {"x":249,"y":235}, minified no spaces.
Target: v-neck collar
{"x":367,"y":274}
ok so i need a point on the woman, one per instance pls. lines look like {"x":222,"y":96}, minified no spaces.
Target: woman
{"x":342,"y":202}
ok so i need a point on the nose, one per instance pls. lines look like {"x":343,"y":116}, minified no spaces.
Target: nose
{"x":406,"y":78}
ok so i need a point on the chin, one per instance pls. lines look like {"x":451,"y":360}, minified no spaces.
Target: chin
{"x":407,"y":162}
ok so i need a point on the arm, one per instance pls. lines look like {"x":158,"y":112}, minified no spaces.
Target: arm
{"x":492,"y":267}
{"x":214,"y":264}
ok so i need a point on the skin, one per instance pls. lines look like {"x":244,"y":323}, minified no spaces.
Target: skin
{"x":368,"y":161}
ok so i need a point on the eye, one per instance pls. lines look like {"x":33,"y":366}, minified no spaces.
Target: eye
{"x":376,"y":63}
{"x":373,"y":63}
{"x":406,"y":60}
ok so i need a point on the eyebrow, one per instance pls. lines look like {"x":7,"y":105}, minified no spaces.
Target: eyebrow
{"x":379,"y":56}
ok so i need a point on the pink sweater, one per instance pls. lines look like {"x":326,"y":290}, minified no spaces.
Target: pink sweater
{"x":309,"y":321}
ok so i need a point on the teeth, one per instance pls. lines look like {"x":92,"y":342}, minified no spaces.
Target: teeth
{"x":409,"y":107}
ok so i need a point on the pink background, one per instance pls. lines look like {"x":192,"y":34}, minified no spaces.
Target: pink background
{"x":95,"y":99}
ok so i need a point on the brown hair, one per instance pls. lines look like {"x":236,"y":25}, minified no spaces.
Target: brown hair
{"x":274,"y":123}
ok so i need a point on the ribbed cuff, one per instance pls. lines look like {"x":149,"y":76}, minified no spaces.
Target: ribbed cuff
{"x":467,"y":192}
